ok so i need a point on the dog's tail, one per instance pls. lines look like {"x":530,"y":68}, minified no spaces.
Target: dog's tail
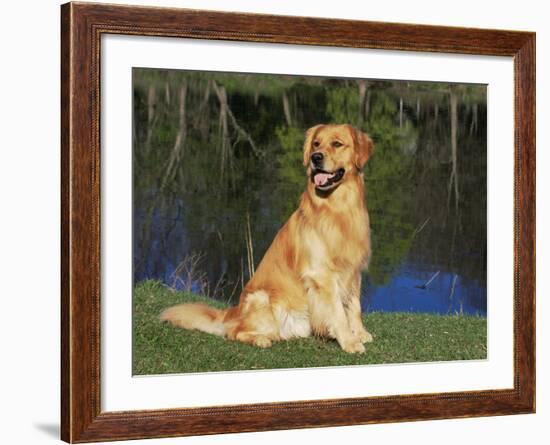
{"x":196,"y":316}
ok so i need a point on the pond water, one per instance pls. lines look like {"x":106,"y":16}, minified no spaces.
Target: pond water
{"x":217,"y":171}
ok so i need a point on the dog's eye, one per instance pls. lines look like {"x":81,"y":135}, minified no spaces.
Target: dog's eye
{"x":337,"y":144}
{"x":316,"y":143}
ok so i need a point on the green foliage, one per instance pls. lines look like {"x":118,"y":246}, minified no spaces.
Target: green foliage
{"x":391,"y":217}
{"x":343,"y":105}
{"x":291,"y":172}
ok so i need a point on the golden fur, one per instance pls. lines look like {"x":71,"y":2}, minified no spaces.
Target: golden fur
{"x":309,"y":280}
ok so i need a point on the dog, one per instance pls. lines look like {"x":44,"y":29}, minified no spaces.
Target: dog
{"x":309,"y":280}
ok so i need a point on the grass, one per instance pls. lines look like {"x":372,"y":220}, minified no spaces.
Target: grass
{"x":399,"y":338}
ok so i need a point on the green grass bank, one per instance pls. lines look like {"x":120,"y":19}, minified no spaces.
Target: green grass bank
{"x":398,"y":338}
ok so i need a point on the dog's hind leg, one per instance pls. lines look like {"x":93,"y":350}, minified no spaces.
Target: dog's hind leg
{"x":254,"y":338}
{"x":255,"y":324}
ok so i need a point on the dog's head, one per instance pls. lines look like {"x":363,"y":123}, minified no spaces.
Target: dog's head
{"x":333,"y":152}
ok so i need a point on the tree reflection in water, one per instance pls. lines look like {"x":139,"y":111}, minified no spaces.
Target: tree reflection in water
{"x":217,"y":170}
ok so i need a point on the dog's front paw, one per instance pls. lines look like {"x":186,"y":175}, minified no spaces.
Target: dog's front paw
{"x":365,"y":336}
{"x":262,"y":341}
{"x":354,"y":347}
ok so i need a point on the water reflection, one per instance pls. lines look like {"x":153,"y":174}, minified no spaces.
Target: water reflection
{"x":215,"y":154}
{"x":448,"y":293}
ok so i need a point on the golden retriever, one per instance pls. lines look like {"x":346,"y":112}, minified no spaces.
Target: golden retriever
{"x":309,"y":280}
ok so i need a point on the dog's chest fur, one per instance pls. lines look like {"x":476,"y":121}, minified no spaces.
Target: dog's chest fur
{"x":338,"y":241}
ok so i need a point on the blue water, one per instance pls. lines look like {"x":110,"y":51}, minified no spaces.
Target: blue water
{"x":406,"y":293}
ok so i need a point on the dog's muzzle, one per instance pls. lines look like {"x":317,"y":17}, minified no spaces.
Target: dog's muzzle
{"x":324,"y":180}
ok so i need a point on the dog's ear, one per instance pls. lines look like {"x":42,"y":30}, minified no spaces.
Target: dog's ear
{"x":364,"y":147}
{"x":310,"y":134}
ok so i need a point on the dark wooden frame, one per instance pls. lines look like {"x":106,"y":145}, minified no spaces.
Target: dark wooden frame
{"x":82,"y":25}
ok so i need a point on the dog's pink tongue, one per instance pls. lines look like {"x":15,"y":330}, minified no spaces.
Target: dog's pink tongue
{"x":322,"y":178}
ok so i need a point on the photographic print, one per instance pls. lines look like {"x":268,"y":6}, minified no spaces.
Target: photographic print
{"x":287,"y":221}
{"x":254,"y":203}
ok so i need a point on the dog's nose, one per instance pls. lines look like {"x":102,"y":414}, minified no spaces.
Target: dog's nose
{"x":316,"y":158}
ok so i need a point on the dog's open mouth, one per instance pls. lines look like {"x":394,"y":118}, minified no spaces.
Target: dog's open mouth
{"x":325,"y":180}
